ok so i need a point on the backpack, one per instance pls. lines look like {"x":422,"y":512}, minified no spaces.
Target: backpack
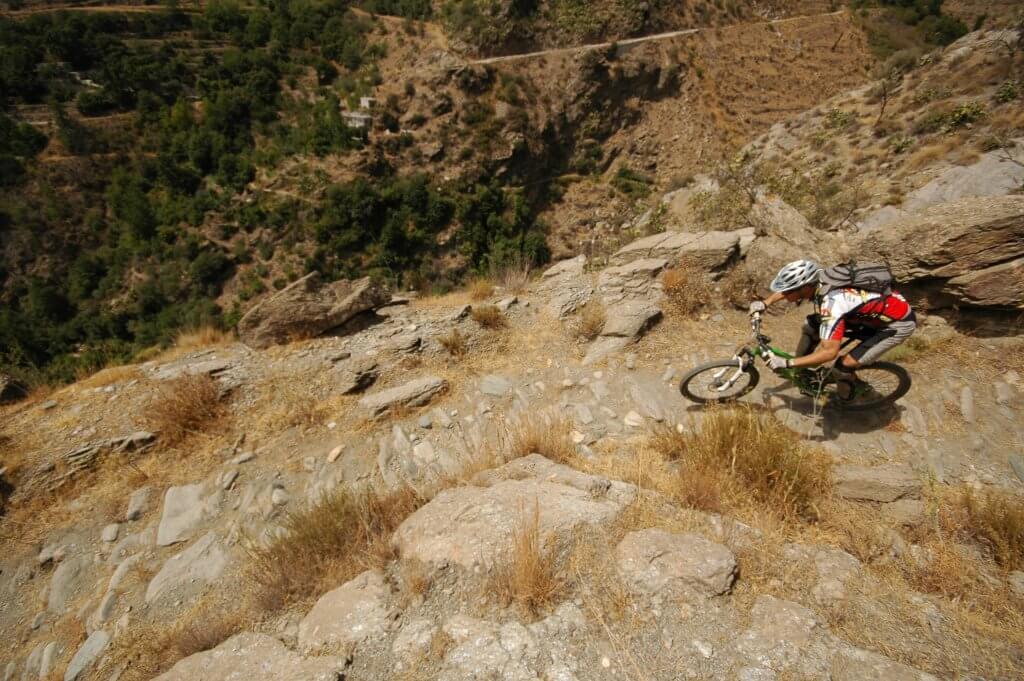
{"x":869,"y":276}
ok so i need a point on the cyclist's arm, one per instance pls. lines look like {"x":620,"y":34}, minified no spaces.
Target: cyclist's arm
{"x":827,"y":351}
{"x":772,"y":299}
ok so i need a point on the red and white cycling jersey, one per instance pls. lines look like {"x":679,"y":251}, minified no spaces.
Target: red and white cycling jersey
{"x":848,"y":307}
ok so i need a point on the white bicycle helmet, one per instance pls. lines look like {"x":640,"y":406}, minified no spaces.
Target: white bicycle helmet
{"x":794,"y":275}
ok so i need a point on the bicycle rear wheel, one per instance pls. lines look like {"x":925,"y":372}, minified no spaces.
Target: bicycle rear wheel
{"x":878,"y":384}
{"x":707,"y":383}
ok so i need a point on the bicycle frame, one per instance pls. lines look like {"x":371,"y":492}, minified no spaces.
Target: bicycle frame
{"x":746,"y":355}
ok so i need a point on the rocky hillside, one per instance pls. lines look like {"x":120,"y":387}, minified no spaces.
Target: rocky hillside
{"x":168,"y":169}
{"x":507,"y":483}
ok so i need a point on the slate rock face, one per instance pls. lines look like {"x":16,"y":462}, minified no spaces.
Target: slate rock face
{"x":308,"y":308}
{"x":969,"y":252}
{"x":412,"y":394}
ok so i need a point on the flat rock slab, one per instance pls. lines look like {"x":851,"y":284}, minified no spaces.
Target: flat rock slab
{"x":87,"y":654}
{"x":471,"y":526}
{"x":879,"y":483}
{"x":495,"y":386}
{"x":708,"y":250}
{"x":184,"y":511}
{"x":654,"y":561}
{"x":412,"y":394}
{"x":69,"y":578}
{"x":779,"y":631}
{"x":254,"y":657}
{"x":357,"y":375}
{"x":198,"y":565}
{"x":347,"y":616}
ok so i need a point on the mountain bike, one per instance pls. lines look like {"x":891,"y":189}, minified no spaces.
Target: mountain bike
{"x":726,"y":380}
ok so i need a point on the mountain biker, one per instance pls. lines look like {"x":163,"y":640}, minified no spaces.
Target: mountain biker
{"x":881,"y":321}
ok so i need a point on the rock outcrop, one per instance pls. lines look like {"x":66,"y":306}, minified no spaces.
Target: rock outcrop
{"x":254,"y":657}
{"x":308,"y":308}
{"x":469,"y":527}
{"x":967,"y":252}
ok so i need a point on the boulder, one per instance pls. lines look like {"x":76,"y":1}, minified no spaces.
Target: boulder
{"x":347,"y":616}
{"x":87,"y":654}
{"x":968,"y":252}
{"x":624,"y":324}
{"x":710,"y":251}
{"x":412,"y":394}
{"x":11,"y":389}
{"x":470,"y":526}
{"x":184,"y":511}
{"x":655,"y":561}
{"x":308,"y":308}
{"x":566,"y":286}
{"x":880,"y":483}
{"x":198,"y":565}
{"x":357,"y":375}
{"x":254,"y":657}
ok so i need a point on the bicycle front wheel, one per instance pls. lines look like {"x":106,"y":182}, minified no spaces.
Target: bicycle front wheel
{"x":877,"y":385}
{"x":718,"y":382}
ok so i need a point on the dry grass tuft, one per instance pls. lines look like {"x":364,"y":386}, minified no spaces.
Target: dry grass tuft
{"x":185,"y":406}
{"x":328,"y":543}
{"x":995,"y":520}
{"x":481,"y":289}
{"x":591,"y":321}
{"x":514,"y":277}
{"x":454,"y":342}
{"x":686,"y":289}
{"x":155,"y":647}
{"x":740,"y":286}
{"x":544,"y":434}
{"x":415,"y":581}
{"x":748,"y":453}
{"x":489,"y":317}
{"x":529,"y":577}
{"x":111,"y":375}
{"x":188,"y":341}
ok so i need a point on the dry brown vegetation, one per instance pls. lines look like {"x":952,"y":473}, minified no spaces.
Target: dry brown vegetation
{"x":529,"y":578}
{"x":329,"y":542}
{"x":188,"y":340}
{"x":993,"y":519}
{"x":153,"y":648}
{"x":183,"y":407}
{"x":686,"y":288}
{"x":454,"y":343}
{"x":481,"y":289}
{"x":591,"y":320}
{"x":544,"y":434}
{"x":489,"y":317}
{"x":740,"y":286}
{"x":110,"y":375}
{"x":514,"y":276}
{"x":745,"y":452}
